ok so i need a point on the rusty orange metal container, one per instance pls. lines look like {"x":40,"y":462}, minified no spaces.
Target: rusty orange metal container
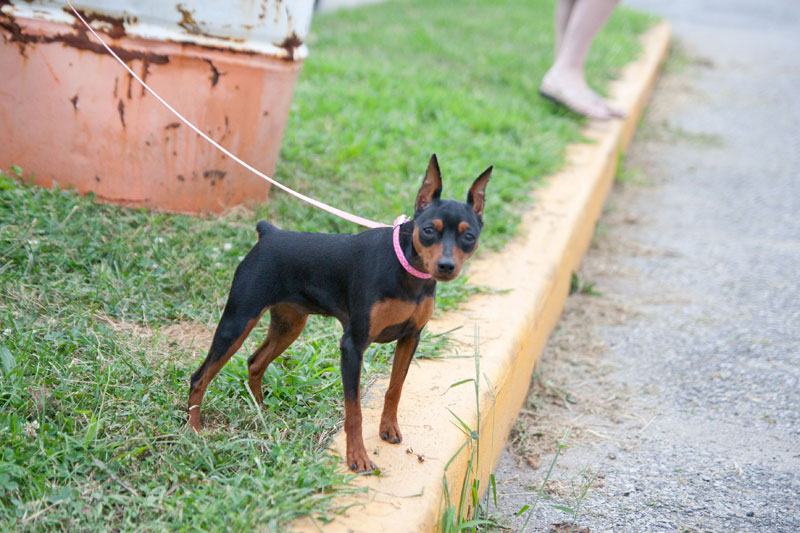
{"x":70,"y":114}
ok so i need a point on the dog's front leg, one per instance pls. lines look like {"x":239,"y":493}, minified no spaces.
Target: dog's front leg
{"x":403,"y":353}
{"x":353,"y":345}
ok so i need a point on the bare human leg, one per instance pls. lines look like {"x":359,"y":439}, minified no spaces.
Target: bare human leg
{"x":577,"y":23}
{"x":563,"y":10}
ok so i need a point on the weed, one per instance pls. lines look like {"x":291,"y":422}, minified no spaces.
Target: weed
{"x":678,"y":58}
{"x":449,"y":295}
{"x":630,"y":176}
{"x":468,"y":513}
{"x":582,"y":287}
{"x":436,"y":346}
{"x":586,"y":480}
{"x":626,"y":175}
{"x":531,"y":508}
{"x":665,"y":131}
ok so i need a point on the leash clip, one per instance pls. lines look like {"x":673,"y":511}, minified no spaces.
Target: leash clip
{"x":400,"y":220}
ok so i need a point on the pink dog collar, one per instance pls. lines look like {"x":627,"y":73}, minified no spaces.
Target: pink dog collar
{"x":399,"y":252}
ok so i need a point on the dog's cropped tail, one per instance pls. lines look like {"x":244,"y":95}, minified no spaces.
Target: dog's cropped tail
{"x":264,"y":228}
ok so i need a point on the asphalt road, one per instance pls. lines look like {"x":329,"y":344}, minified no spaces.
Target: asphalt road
{"x":687,"y":409}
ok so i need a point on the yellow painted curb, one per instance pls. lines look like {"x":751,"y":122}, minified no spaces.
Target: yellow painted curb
{"x":532,"y":277}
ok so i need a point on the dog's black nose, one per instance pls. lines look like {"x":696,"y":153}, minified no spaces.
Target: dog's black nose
{"x":446,"y":266}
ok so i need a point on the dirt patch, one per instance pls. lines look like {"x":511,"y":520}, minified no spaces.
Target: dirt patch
{"x":573,"y":390}
{"x":570,"y":389}
{"x":164,"y":343}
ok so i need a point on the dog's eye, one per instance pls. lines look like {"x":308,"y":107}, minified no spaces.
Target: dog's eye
{"x":428,"y":231}
{"x":469,"y":237}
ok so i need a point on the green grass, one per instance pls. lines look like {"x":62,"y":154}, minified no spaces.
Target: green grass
{"x":74,"y":275}
{"x":385,"y":87}
{"x":96,"y":301}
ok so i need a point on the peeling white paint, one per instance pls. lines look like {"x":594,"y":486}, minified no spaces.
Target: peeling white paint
{"x":271,"y":27}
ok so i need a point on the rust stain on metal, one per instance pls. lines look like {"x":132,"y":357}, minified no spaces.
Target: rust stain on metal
{"x":187,"y":20}
{"x":51,"y":71}
{"x":213,"y":48}
{"x":116,"y":24}
{"x":263,"y":13}
{"x":192,"y":27}
{"x":16,"y":35}
{"x":214,"y":175}
{"x":290,"y":44}
{"x":215,"y":74}
{"x":145,"y":73}
{"x":289,"y":20}
{"x":79,"y":39}
{"x":225,"y":131}
{"x":121,"y":109}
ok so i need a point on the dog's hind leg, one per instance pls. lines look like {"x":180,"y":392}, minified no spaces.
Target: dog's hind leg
{"x":286,"y":324}
{"x":235,"y":325}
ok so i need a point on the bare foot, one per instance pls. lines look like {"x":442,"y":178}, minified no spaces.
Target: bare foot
{"x":575,"y":95}
{"x":613,"y":110}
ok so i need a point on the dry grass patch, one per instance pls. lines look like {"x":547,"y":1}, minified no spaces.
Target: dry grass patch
{"x":185,"y":340}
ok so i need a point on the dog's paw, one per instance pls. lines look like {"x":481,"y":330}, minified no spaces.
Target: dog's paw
{"x":194,"y":418}
{"x":358,"y":461}
{"x":390,"y":432}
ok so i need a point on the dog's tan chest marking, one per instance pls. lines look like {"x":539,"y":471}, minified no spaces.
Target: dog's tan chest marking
{"x":392,"y":312}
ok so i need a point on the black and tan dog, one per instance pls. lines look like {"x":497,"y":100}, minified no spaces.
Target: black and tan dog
{"x":380,"y":284}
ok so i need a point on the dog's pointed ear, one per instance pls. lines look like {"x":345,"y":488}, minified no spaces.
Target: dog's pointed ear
{"x":476,"y":196}
{"x":431,"y":187}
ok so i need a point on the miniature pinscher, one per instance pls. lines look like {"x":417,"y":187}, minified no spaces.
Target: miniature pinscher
{"x":380,"y":284}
